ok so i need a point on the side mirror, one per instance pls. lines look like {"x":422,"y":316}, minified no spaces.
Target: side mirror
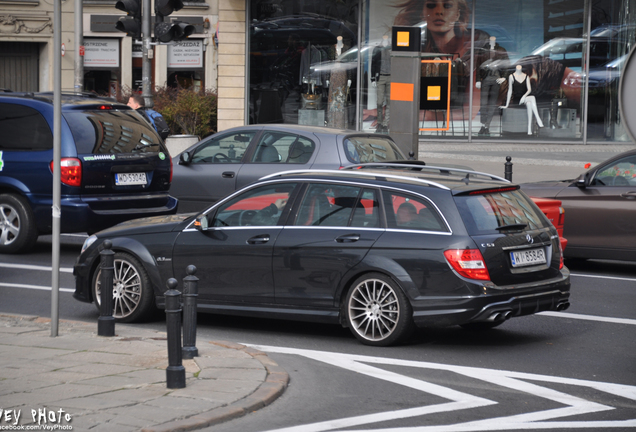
{"x":201,"y":222}
{"x":583,"y":181}
{"x":185,"y":158}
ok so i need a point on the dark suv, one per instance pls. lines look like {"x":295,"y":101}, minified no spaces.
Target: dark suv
{"x":114,"y":167}
{"x":379,"y":249}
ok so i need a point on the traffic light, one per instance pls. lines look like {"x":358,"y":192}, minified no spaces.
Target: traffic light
{"x":130,"y":24}
{"x":173,"y":31}
{"x":167,"y":31}
{"x":166,"y":7}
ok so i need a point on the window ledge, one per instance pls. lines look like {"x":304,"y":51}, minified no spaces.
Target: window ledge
{"x":20,"y":2}
{"x":186,"y":5}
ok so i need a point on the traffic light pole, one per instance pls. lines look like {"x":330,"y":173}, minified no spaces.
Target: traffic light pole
{"x":146,"y":44}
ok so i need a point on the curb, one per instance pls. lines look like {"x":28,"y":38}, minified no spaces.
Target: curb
{"x":270,"y":390}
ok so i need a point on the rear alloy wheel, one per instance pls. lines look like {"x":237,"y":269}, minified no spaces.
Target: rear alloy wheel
{"x":133,"y":298}
{"x":17,"y":225}
{"x":378,"y":312}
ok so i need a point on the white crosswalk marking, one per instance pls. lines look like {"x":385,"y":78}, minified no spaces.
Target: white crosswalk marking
{"x":572,"y":405}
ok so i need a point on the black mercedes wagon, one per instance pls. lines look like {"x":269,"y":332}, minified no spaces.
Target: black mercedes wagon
{"x":379,"y":250}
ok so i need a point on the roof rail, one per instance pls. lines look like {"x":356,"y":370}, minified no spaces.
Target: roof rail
{"x":446,"y":170}
{"x":352,"y":173}
{"x":79,"y":95}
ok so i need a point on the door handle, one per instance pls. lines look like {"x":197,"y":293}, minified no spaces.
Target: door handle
{"x":629,"y":195}
{"x":228,"y":174}
{"x":348,"y":238}
{"x":260,"y":239}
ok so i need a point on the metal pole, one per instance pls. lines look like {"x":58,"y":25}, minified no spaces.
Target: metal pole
{"x":471,"y":92}
{"x":190,"y":294}
{"x":146,"y":65}
{"x":79,"y":45}
{"x":106,"y":321}
{"x":586,"y":70}
{"x":175,"y":372}
{"x":57,"y":178}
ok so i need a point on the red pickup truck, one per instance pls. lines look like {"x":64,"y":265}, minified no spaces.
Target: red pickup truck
{"x":554,"y":212}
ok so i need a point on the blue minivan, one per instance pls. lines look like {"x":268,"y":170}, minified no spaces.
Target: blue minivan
{"x":114,"y":167}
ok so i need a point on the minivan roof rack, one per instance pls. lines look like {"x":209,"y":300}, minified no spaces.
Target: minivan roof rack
{"x":352,"y":173}
{"x":443,"y":170}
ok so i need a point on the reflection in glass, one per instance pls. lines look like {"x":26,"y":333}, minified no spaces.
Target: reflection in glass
{"x":297,"y":74}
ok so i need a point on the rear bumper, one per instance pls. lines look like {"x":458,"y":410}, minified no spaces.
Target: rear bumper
{"x":92,"y":215}
{"x":496,"y":304}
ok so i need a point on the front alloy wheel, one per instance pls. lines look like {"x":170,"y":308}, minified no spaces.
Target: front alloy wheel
{"x":378,"y":313}
{"x":133,"y":299}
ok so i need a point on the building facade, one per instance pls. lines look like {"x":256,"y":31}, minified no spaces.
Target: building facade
{"x":551,"y":63}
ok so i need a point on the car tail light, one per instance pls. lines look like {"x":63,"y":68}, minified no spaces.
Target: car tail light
{"x":560,"y":254}
{"x":71,"y":171}
{"x":561,"y":216}
{"x":468,"y":263}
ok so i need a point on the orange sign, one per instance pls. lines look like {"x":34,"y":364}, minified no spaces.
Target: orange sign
{"x":402,"y":38}
{"x":402,"y":92}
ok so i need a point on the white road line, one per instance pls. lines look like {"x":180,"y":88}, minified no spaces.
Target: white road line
{"x":604,"y":277}
{"x":568,"y":405}
{"x":35,"y":287}
{"x":590,"y":317}
{"x":34,"y":267}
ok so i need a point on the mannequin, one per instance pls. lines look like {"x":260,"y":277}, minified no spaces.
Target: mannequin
{"x":381,"y":80}
{"x":491,"y":76}
{"x":339,"y":87}
{"x":517,"y":83}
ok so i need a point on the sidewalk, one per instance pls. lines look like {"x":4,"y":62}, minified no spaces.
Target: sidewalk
{"x":118,"y":383}
{"x":531,"y":161}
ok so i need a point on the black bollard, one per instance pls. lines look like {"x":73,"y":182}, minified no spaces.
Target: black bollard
{"x":508,"y":169}
{"x":175,"y":372}
{"x":106,"y":321}
{"x":190,"y":294}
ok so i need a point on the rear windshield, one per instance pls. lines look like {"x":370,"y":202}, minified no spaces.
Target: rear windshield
{"x":371,"y":149}
{"x":112,"y":131}
{"x":483,"y":214}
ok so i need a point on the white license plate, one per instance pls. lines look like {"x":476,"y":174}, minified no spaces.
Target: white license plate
{"x":125,"y":179}
{"x":527,"y":257}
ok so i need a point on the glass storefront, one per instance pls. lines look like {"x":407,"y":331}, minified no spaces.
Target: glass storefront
{"x":554,"y":65}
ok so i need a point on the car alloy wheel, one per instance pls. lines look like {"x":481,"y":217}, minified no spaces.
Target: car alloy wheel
{"x":378,"y":312}
{"x":132,"y":294}
{"x":17,"y":229}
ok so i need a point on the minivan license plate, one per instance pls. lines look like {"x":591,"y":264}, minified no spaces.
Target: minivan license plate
{"x":125,"y":179}
{"x":527,"y":257}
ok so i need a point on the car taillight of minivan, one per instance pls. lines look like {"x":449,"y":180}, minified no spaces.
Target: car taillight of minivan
{"x":468,"y":263}
{"x":71,"y":171}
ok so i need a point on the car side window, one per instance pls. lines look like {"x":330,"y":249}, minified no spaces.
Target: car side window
{"x":412,"y":213}
{"x":225,"y":149}
{"x":283,"y":147}
{"x":23,"y":128}
{"x":261,"y":206}
{"x":328,"y":205}
{"x":619,"y":173}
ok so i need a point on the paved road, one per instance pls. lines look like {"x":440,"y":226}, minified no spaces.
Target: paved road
{"x":531,"y":162}
{"x":575,"y":370}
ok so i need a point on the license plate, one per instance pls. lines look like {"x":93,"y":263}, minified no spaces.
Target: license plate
{"x":125,"y":179}
{"x":527,"y":257}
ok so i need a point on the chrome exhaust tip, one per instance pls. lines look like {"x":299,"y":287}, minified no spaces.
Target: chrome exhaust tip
{"x":563,"y":306}
{"x":495,"y":317}
{"x":507,"y":315}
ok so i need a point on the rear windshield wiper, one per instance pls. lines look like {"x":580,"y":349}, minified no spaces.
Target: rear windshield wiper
{"x":518,"y":226}
{"x":144,"y":146}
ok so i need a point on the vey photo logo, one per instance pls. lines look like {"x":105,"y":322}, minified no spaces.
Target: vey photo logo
{"x":35,"y":419}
